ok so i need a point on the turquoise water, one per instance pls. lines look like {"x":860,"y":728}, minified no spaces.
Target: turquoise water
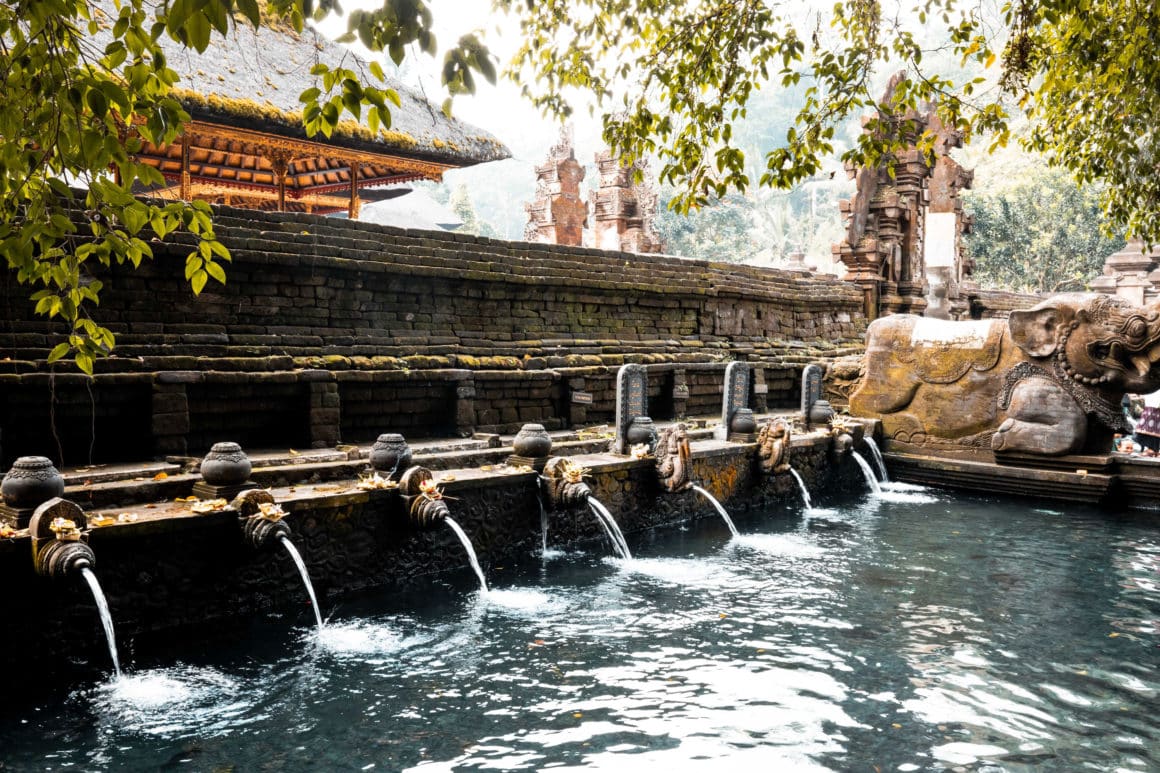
{"x":946,"y":634}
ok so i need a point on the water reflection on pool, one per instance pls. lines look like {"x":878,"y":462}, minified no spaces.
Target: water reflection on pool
{"x":923,"y":634}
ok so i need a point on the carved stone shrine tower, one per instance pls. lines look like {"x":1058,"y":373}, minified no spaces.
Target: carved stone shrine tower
{"x":558,"y":215}
{"x":904,"y":231}
{"x":624,"y":211}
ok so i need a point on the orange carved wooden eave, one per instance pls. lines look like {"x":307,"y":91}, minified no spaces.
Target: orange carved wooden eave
{"x":262,"y":170}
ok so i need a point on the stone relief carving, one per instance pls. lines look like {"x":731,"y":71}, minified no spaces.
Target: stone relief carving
{"x":1047,"y":381}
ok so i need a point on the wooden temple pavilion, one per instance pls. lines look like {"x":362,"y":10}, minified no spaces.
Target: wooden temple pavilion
{"x":245,"y":145}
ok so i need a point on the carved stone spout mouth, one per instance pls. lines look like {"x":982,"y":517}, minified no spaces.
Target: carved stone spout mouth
{"x":425,"y":504}
{"x":563,"y":484}
{"x":59,"y":533}
{"x":261,"y":518}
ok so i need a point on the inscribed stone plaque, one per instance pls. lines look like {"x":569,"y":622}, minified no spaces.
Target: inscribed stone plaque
{"x":631,"y":401}
{"x":735,"y":395}
{"x":581,"y":398}
{"x":811,"y":388}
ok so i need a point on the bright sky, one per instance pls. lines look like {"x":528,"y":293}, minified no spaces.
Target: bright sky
{"x":500,"y":109}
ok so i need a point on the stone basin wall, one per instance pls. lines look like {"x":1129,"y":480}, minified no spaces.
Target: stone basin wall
{"x":332,"y":331}
{"x":176,"y":573}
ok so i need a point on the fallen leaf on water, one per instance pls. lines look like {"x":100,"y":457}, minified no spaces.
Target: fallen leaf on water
{"x":1112,"y":635}
{"x":161,"y":476}
{"x":895,"y":725}
{"x":722,"y":615}
{"x":577,"y":714}
{"x":294,"y":453}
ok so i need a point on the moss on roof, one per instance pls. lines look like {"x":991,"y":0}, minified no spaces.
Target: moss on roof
{"x":256,"y":75}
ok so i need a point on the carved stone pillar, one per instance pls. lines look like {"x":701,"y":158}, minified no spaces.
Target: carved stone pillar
{"x":465,"y":407}
{"x":170,"y":412}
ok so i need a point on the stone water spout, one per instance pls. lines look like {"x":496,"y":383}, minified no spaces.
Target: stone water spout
{"x":60,"y":551}
{"x":425,"y":504}
{"x":263,"y":527}
{"x":59,"y":533}
{"x":674,"y":460}
{"x":773,"y":447}
{"x":261,"y":519}
{"x":845,"y":434}
{"x":563,"y":486}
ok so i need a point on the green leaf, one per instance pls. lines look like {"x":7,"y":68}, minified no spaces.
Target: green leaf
{"x":59,"y":351}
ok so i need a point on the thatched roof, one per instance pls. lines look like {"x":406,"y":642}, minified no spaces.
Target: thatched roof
{"x":252,"y":79}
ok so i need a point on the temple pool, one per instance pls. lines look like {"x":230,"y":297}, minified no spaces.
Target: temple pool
{"x":953,"y":634}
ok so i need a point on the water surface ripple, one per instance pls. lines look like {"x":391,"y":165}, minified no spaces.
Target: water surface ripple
{"x":956,"y":634}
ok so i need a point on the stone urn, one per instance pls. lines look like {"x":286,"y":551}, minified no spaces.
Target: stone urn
{"x":532,"y":441}
{"x":32,"y":481}
{"x":821,"y":412}
{"x":743,"y":422}
{"x":642,"y":431}
{"x":390,"y":454}
{"x":226,"y":464}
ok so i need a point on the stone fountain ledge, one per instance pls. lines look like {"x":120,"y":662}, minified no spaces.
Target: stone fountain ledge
{"x":328,"y":491}
{"x":126,"y":485}
{"x":168,"y":571}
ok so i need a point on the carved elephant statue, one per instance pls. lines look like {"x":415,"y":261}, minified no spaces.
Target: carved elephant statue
{"x":1046,"y":381}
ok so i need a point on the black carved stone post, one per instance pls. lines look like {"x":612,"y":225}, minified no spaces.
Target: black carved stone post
{"x":737,"y":422}
{"x":633,"y":425}
{"x":815,"y":410}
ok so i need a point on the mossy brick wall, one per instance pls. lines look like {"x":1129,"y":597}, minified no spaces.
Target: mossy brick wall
{"x":330,"y":331}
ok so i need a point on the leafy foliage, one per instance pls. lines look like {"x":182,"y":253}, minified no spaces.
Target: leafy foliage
{"x":676,"y":77}
{"x":73,"y":115}
{"x":1040,"y":233}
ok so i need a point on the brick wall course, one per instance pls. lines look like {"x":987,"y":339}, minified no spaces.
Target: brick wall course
{"x":409,"y":314}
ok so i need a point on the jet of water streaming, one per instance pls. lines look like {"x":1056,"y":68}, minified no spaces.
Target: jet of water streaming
{"x":720,"y":509}
{"x":471,"y":557}
{"x":878,"y":460}
{"x":106,"y":616}
{"x":802,"y":487}
{"x":294,"y":554}
{"x":867,"y":472}
{"x":543,"y":527}
{"x":610,"y":528}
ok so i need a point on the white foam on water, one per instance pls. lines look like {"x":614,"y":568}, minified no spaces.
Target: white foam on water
{"x":359,"y":637}
{"x":522,"y":600}
{"x":905,"y":497}
{"x":170,"y":700}
{"x":551,"y":554}
{"x":679,"y":571}
{"x":791,"y":545}
{"x":894,"y":485}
